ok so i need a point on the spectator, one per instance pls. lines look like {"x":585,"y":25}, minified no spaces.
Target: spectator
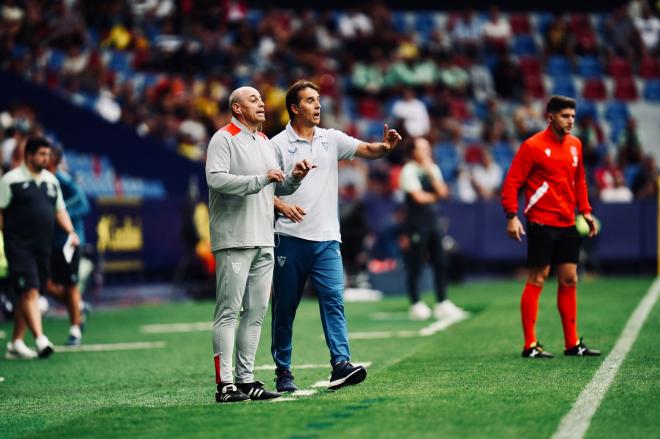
{"x":413,"y":113}
{"x":648,"y":27}
{"x":527,"y":118}
{"x":508,"y":77}
{"x":645,"y":184}
{"x":497,"y":31}
{"x":487,"y":176}
{"x":618,"y":192}
{"x":468,"y":33}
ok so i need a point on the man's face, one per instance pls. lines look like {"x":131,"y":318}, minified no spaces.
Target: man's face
{"x":40,"y":159}
{"x":422,"y":152}
{"x":309,"y":106}
{"x":563,"y":120}
{"x":250,"y":107}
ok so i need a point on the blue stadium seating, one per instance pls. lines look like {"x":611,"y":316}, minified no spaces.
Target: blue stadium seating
{"x":524,"y":45}
{"x":446,"y":155}
{"x":589,"y":67}
{"x":558,"y":66}
{"x":652,"y":90}
{"x":616,"y":111}
{"x":586,"y":108}
{"x":563,"y":85}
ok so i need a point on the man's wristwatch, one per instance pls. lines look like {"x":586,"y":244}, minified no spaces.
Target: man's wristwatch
{"x":510,"y":215}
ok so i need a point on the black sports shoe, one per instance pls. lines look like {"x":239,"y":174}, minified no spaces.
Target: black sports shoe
{"x":345,"y":374}
{"x":227,"y":392}
{"x":284,"y":381}
{"x":581,"y":350}
{"x":536,"y":351}
{"x":256,"y":390}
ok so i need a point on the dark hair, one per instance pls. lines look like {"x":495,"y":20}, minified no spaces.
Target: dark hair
{"x":558,"y":103}
{"x":293,"y":94}
{"x":34,"y":143}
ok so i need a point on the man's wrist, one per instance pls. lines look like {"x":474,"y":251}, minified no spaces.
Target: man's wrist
{"x":510,"y":215}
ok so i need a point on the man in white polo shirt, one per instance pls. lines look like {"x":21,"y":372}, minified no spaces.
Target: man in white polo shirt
{"x":241,"y":164}
{"x":308,"y":233}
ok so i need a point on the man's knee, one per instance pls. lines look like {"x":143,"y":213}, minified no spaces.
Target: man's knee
{"x":538,"y":275}
{"x":568,"y":280}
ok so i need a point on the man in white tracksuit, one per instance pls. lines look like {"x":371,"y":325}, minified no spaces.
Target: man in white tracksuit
{"x":241,"y":166}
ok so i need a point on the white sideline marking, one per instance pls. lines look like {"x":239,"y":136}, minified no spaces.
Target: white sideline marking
{"x":318,"y":384}
{"x":389,"y":316}
{"x":283,"y":399}
{"x":308,"y":366}
{"x":576,"y":422}
{"x":431,"y":329}
{"x":2,"y":334}
{"x":112,"y":347}
{"x":304,"y":392}
{"x":167,"y":328}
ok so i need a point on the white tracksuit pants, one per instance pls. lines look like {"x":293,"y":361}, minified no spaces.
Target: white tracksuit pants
{"x":243,"y":281}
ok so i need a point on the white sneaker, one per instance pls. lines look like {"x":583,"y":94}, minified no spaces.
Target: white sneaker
{"x":44,"y":347}
{"x":18,"y":351}
{"x":447,"y":310}
{"x":419,"y":311}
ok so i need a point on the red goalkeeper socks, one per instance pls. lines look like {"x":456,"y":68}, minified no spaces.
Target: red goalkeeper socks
{"x":567,"y":305}
{"x":529,"y":308}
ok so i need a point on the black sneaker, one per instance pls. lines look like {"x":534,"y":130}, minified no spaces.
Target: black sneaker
{"x":581,"y":350}
{"x":536,"y":351}
{"x":256,"y":390}
{"x":345,"y":374}
{"x":227,"y":392}
{"x":284,"y":381}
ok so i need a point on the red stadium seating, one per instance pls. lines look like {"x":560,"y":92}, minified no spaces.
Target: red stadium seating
{"x":520,"y":23}
{"x":625,"y":89}
{"x":620,"y":67}
{"x":649,"y":68}
{"x":530,"y":66}
{"x":594,"y":89}
{"x":534,"y":86}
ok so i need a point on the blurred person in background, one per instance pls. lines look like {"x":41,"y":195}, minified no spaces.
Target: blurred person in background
{"x":31,"y":202}
{"x":309,"y":236}
{"x":421,"y":181}
{"x":63,"y":283}
{"x":241,"y":166}
{"x":549,"y":166}
{"x":487,"y":176}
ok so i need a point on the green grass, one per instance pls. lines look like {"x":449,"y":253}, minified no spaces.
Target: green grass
{"x":468,"y":381}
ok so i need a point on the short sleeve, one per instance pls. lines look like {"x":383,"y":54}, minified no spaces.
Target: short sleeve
{"x":5,"y":193}
{"x":59,"y":203}
{"x":408,"y":179}
{"x":438,"y":173}
{"x":346,"y":145}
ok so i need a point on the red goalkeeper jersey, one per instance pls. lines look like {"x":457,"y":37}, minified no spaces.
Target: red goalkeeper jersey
{"x":552,"y":173}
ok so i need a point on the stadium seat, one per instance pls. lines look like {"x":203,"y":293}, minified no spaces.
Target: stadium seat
{"x":558,"y":66}
{"x":55,"y":60}
{"x":589,"y":67}
{"x":625,"y":89}
{"x":520,"y":23}
{"x":630,"y":173}
{"x":447,"y":158}
{"x":563,"y":85}
{"x":652,"y":90}
{"x":620,"y":67}
{"x":460,"y":109}
{"x":524,"y":45}
{"x":649,"y":68}
{"x":534,"y":86}
{"x":615,"y":111}
{"x":543,"y":21}
{"x":594,"y":89}
{"x":530,"y":65}
{"x":586,"y":108}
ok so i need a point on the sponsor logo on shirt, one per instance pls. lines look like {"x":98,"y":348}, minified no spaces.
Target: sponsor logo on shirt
{"x":281,"y":260}
{"x":575,"y":156}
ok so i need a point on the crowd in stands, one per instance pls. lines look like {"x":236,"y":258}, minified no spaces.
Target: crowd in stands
{"x":472,"y":82}
{"x":95,"y":173}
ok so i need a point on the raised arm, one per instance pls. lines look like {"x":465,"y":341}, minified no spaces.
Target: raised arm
{"x":379,"y":149}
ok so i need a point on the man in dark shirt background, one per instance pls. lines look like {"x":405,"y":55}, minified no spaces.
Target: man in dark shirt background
{"x":31,"y":202}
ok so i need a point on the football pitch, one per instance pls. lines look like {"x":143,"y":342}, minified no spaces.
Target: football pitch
{"x":148,"y":373}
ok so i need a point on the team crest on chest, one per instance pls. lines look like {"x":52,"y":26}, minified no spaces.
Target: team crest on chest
{"x":52,"y":192}
{"x":547,"y":152}
{"x":281,"y":260}
{"x":236,"y":267}
{"x":325,"y":145}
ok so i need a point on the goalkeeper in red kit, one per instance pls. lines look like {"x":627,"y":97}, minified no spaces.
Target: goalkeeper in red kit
{"x":549,"y":167}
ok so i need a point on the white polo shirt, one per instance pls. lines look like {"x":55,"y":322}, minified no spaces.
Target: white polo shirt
{"x":318,"y":193}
